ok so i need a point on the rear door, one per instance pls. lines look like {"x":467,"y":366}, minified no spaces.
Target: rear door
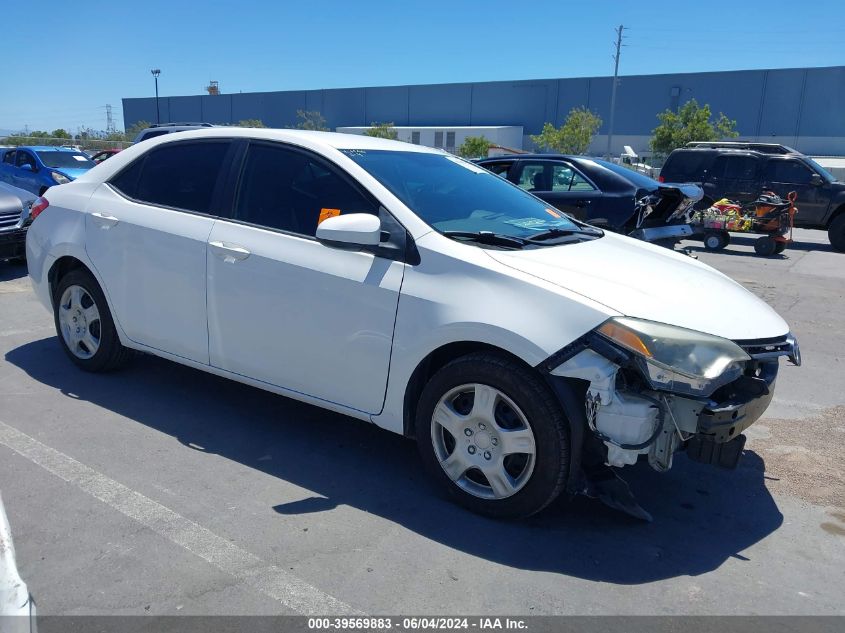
{"x":734,"y":176}
{"x":146,"y":233}
{"x":288,"y":310}
{"x":558,"y":183}
{"x":783,"y":175}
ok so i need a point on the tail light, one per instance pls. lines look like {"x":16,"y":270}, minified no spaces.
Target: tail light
{"x":661,"y":179}
{"x":39,"y":205}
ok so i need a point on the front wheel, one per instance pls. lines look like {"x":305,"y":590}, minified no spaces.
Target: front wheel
{"x":836,"y":233}
{"x":84,"y":324}
{"x":716,"y":240}
{"x":492,"y":433}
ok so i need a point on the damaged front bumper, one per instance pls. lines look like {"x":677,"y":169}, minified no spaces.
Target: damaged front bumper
{"x":632,"y":419}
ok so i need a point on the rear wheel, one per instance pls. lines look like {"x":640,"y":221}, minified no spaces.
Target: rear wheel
{"x":836,"y":233}
{"x":716,"y":240}
{"x":765,"y":246}
{"x":491,"y":432}
{"x":84,"y":324}
{"x":780,"y":247}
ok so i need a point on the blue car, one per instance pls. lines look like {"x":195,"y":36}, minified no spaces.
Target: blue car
{"x":37,"y":168}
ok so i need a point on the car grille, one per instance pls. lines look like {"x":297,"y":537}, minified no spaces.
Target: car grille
{"x":8,"y":220}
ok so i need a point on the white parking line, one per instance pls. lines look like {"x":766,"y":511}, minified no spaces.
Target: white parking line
{"x":269,"y":579}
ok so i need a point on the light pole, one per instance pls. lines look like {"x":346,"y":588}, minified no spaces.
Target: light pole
{"x":156,"y":72}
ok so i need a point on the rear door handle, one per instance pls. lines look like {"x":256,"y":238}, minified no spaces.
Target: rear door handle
{"x":229,"y":253}
{"x":105,"y":221}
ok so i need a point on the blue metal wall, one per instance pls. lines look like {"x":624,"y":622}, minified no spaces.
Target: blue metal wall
{"x":778,"y":104}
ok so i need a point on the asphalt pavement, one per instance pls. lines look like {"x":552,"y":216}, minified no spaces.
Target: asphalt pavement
{"x":164,"y":490}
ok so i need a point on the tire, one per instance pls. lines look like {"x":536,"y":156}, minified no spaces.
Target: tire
{"x":780,"y":247}
{"x":836,"y":233}
{"x":94,"y":344}
{"x":522,"y":439}
{"x":716,"y":240}
{"x":765,"y":246}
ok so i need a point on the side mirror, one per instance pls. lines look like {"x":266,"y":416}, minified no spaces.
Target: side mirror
{"x":27,"y":167}
{"x":357,"y":229}
{"x":816,"y":180}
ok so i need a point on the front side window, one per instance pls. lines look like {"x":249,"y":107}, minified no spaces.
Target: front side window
{"x":65,"y":160}
{"x":292,"y":191}
{"x":25,"y":158}
{"x":532,"y":177}
{"x":178,"y":175}
{"x":564,"y":178}
{"x":451,"y":194}
{"x":788,"y":171}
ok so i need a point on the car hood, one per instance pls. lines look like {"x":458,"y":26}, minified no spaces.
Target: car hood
{"x":650,"y":282}
{"x":12,"y":199}
{"x":73,"y":174}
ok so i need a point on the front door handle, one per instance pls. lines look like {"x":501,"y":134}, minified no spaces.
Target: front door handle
{"x":229,"y":253}
{"x":105,"y":221}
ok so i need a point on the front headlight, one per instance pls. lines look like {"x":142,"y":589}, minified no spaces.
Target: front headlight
{"x":59,"y":178}
{"x":676,"y":359}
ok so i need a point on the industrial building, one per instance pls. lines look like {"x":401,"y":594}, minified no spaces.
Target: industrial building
{"x":800,"y":107}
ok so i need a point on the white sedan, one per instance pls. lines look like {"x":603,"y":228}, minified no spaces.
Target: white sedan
{"x":528,"y":353}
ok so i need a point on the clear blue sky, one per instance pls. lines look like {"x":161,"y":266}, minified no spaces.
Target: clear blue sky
{"x":63,"y":61}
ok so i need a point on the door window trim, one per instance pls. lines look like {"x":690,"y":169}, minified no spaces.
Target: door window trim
{"x":552,"y":162}
{"x":407,"y":254}
{"x":217,"y":199}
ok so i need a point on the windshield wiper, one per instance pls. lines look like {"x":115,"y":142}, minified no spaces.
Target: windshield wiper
{"x":556,"y":232}
{"x":488,"y":237}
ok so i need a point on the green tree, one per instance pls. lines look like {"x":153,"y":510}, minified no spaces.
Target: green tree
{"x":250,"y":123}
{"x":60,"y":133}
{"x":133,"y":130}
{"x":690,"y":123}
{"x":382,"y":130}
{"x":474,"y":147}
{"x":573,"y":137}
{"x":311,"y":120}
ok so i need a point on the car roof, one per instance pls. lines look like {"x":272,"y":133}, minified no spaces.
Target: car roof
{"x":334,"y":140}
{"x":738,"y":151}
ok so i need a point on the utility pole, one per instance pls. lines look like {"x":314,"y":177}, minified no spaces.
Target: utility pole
{"x":619,"y":32}
{"x":109,"y":120}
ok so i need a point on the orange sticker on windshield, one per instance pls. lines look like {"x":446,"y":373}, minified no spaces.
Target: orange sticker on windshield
{"x":328,"y":213}
{"x":553,"y":213}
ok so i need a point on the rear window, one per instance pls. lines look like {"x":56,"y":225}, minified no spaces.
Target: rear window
{"x":181,"y":175}
{"x":685,"y":166}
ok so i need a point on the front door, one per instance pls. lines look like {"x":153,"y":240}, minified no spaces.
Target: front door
{"x":559,"y":184}
{"x":785,"y":175}
{"x":146,"y":233}
{"x":286,"y":309}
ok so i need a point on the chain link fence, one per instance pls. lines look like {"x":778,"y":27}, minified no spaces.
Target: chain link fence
{"x":85,"y":144}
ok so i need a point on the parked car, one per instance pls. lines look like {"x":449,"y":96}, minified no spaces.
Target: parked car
{"x":38,"y":168}
{"x":404,"y":286}
{"x":744,"y":171}
{"x":15,"y":205}
{"x":102,"y":155}
{"x":603,"y":193}
{"x":17,"y":608}
{"x":160,"y":129}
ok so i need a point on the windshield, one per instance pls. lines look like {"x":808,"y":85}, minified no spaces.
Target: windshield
{"x":641,"y":181}
{"x":451,"y":194}
{"x":65,"y":160}
{"x":821,"y":170}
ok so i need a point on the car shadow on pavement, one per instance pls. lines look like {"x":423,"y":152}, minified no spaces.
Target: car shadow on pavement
{"x":702,"y":515}
{"x":12,"y":269}
{"x":748,"y":240}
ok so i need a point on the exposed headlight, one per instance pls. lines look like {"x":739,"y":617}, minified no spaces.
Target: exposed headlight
{"x":676,"y":359}
{"x":59,"y":178}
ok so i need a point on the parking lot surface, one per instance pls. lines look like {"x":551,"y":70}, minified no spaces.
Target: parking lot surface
{"x":164,"y":490}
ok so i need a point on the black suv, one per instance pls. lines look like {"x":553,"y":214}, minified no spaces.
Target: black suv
{"x":742,"y":171}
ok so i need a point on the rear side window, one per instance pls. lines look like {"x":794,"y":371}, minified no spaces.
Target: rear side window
{"x":736,"y":167}
{"x":288,"y":190}
{"x":500,"y":169}
{"x":182,"y":176}
{"x":689,"y":165}
{"x":787,"y":171}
